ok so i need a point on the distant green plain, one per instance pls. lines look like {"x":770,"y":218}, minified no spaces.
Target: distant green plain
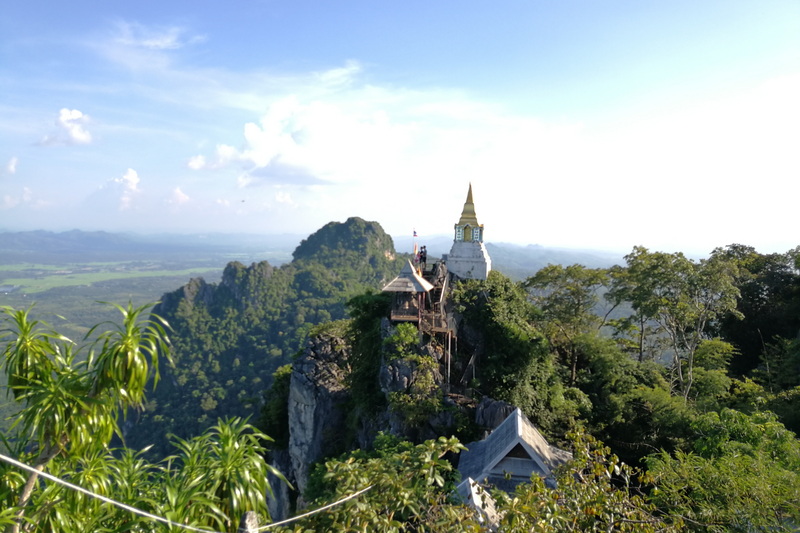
{"x":48,"y":277}
{"x":67,"y":296}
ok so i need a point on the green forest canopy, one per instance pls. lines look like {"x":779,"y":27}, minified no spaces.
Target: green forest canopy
{"x":696,"y":384}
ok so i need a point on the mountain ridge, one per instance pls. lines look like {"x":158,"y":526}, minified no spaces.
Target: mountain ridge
{"x":516,"y":260}
{"x":229,"y":337}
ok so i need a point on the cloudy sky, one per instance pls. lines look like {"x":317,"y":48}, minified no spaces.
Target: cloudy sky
{"x":672,"y":125}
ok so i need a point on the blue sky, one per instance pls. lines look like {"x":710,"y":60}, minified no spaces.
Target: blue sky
{"x":672,"y":125}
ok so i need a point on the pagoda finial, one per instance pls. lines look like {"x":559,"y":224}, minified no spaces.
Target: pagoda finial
{"x":468,"y":215}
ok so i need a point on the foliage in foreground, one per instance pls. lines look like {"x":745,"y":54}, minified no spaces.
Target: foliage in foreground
{"x":741,"y":477}
{"x":69,"y":408}
{"x":742,"y":474}
{"x":413,"y":490}
{"x":593,"y":492}
{"x":211,"y":481}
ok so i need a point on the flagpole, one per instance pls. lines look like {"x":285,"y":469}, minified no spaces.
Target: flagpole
{"x":416,"y":251}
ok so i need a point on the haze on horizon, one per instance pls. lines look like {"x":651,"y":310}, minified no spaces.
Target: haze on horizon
{"x":598,"y":125}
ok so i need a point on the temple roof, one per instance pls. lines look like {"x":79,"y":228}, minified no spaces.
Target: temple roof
{"x":481,"y":458}
{"x":468,"y":215}
{"x":408,"y":281}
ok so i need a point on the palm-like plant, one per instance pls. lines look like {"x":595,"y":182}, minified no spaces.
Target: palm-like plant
{"x":26,"y":355}
{"x":71,"y":407}
{"x":70,"y":412}
{"x":229,"y":459}
{"x":11,"y":480}
{"x":128,"y":355}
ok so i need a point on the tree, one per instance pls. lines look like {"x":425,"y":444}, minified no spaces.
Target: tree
{"x":514,"y":364}
{"x":228,"y":463}
{"x":634,"y":330}
{"x":568,"y":297}
{"x":364,"y":336}
{"x":593,"y":492}
{"x":422,"y":398}
{"x":649,"y":418}
{"x":210,"y":482}
{"x":274,"y":418}
{"x":606,"y":378}
{"x":768,"y":305}
{"x":411,"y":490}
{"x":711,"y":381}
{"x":685,"y":298}
{"x":71,"y":406}
{"x":742,"y":474}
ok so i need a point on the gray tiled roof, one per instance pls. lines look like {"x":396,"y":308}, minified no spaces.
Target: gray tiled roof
{"x":408,"y":281}
{"x":484,"y":459}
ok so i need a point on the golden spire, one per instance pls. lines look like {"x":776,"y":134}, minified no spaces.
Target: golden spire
{"x":468,"y":215}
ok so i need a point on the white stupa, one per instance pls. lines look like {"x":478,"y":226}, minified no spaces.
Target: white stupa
{"x":468,"y":258}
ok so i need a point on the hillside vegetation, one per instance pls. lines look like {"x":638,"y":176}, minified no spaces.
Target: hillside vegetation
{"x":694,"y":389}
{"x":699,"y":419}
{"x":229,"y":337}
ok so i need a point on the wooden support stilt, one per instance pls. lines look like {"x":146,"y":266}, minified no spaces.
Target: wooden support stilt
{"x":448,"y":360}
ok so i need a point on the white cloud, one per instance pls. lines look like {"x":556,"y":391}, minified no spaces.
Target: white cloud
{"x":197,"y":162}
{"x":341,"y":75}
{"x":11,"y":201}
{"x":223,"y":157}
{"x":71,"y":125}
{"x":154,"y":38}
{"x":149,"y":48}
{"x":11,"y":167}
{"x":331,"y":128}
{"x":245,"y":180}
{"x":300,"y":143}
{"x":283,"y":197}
{"x":129,"y":184}
{"x":585,"y":183}
{"x":130,"y":180}
{"x":178,"y":197}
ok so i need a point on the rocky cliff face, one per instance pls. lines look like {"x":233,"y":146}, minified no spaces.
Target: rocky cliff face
{"x":317,"y":396}
{"x":318,"y":407}
{"x":196,"y":292}
{"x":317,"y":399}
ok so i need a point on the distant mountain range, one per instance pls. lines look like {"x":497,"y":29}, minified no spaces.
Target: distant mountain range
{"x":40,"y":246}
{"x":86,"y":246}
{"x":518,"y":261}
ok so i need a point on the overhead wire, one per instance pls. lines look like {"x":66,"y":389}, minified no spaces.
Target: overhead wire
{"x":100,"y":497}
{"x":315,"y":511}
{"x":145,"y":514}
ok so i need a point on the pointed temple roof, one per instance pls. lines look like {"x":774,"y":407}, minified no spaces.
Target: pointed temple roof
{"x":408,"y":281}
{"x":515,"y":447}
{"x":468,"y":215}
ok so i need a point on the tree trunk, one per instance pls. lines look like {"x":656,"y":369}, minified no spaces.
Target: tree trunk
{"x":45,"y":457}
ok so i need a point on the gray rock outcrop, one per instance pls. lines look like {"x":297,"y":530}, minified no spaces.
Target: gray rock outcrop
{"x":491,"y":413}
{"x":316,"y":397}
